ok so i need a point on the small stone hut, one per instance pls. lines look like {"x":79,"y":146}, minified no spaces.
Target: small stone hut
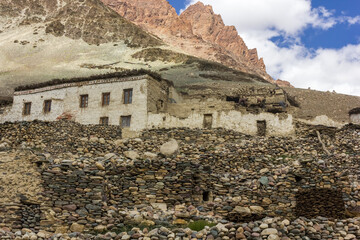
{"x":354,"y":115}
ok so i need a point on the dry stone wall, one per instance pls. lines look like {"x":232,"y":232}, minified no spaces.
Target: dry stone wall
{"x":251,"y":186}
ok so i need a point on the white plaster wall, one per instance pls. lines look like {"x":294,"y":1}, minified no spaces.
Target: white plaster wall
{"x":15,"y":113}
{"x":233,"y":120}
{"x":322,"y":120}
{"x":67,"y":100}
{"x":355,"y":118}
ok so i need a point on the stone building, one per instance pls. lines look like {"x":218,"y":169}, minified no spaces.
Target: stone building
{"x":140,"y":101}
{"x":354,"y":115}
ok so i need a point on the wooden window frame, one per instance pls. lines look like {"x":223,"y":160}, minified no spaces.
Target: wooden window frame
{"x":105,"y":101}
{"x":128,"y":95}
{"x":27,"y":109}
{"x":129,"y":121}
{"x":47,"y":106}
{"x":104,"y":121}
{"x":84,"y":101}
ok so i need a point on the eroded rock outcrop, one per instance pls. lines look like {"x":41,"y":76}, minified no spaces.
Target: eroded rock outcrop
{"x":89,"y":20}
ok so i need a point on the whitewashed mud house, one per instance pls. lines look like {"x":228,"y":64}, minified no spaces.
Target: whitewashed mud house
{"x":140,"y":100}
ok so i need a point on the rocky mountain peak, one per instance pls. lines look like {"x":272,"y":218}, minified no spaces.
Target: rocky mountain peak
{"x":198,"y":31}
{"x":157,"y":17}
{"x":210,"y":27}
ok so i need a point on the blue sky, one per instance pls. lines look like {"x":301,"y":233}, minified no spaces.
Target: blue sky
{"x":312,"y":44}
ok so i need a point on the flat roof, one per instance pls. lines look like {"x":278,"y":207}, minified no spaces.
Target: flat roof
{"x":124,"y":74}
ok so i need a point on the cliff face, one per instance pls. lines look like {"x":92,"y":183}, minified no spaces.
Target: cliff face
{"x":197,"y":31}
{"x":157,"y":17}
{"x":211,"y":28}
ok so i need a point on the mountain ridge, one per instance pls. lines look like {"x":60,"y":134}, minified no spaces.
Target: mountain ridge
{"x":209,"y":38}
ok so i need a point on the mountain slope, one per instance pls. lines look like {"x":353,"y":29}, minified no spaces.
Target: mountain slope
{"x":88,"y":20}
{"x":197,"y":31}
{"x":45,"y":39}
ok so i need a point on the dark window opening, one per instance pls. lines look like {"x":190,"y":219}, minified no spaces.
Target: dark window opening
{"x":125,"y":121}
{"x":128,"y":96}
{"x":298,"y":178}
{"x":275,"y":110}
{"x":106,"y":99}
{"x":232,"y":99}
{"x":39,"y":164}
{"x":47,"y":106}
{"x":84,"y":101}
{"x":206,"y":196}
{"x":320,"y":202}
{"x":27,"y":108}
{"x":261,"y":128}
{"x":104,"y":120}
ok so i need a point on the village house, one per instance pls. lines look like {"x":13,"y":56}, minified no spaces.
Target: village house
{"x":139,"y":100}
{"x":354,"y":115}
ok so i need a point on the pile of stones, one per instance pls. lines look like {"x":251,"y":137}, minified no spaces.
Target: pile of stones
{"x":267,"y":228}
{"x":97,"y":185}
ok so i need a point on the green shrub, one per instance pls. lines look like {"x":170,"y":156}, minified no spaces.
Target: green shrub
{"x":200,"y":225}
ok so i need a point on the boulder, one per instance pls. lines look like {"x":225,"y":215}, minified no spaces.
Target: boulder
{"x":131,"y":154}
{"x":150,"y":155}
{"x":161,"y":206}
{"x":269,"y":231}
{"x":100,"y":166}
{"x":169,"y":148}
{"x":75,"y":227}
{"x":256,"y":209}
{"x":100,"y":228}
{"x":179,"y":222}
{"x":242,"y":210}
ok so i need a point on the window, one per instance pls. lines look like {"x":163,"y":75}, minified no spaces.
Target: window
{"x":104,"y":121}
{"x":84,"y":101}
{"x":125,"y":121}
{"x":106,"y":99}
{"x":261,"y":128}
{"x":206,"y":196}
{"x":128,"y":96}
{"x":27,"y":108}
{"x":47,"y":106}
{"x":232,"y":99}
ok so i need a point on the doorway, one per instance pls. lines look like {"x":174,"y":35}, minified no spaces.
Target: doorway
{"x":208,"y":120}
{"x":261,"y":128}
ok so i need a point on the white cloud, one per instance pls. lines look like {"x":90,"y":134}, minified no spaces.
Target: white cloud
{"x":324,"y":69}
{"x":354,"y":20}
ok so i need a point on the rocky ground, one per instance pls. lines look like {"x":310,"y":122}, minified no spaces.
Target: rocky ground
{"x":29,"y":148}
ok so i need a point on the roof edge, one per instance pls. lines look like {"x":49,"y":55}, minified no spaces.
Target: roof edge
{"x":124,"y":74}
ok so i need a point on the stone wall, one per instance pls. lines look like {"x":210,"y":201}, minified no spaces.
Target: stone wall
{"x":96,"y":181}
{"x":227,"y":183}
{"x":80,"y":194}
